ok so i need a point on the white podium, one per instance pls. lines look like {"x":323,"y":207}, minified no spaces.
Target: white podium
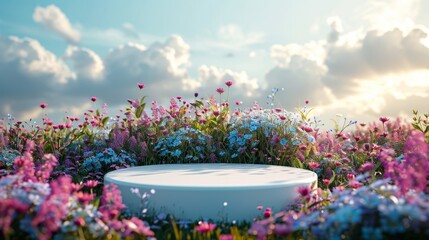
{"x":211,"y":191}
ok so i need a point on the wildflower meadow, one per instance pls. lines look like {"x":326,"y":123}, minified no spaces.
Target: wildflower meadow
{"x":373,"y":178}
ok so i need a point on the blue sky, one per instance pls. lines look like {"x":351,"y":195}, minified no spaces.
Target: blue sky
{"x":362,"y":59}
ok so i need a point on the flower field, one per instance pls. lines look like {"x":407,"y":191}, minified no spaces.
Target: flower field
{"x":373,"y":178}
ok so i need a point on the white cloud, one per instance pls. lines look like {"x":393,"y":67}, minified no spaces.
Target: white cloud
{"x":212,"y":77}
{"x":27,"y":56}
{"x":30,"y":74}
{"x":301,"y":79}
{"x":87,"y":64}
{"x":375,"y":55}
{"x":336,"y":28}
{"x":362,"y":72}
{"x":230,"y":38}
{"x":54,"y":19}
{"x":162,"y":67}
{"x":313,"y":51}
{"x":130,"y":31}
{"x":386,"y":15}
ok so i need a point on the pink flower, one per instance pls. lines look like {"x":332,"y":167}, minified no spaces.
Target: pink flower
{"x":383,"y":119}
{"x":205,"y":227}
{"x":313,"y":165}
{"x":9,"y":208}
{"x":355,"y":184}
{"x":84,"y":197}
{"x":220,"y":90}
{"x":304,"y":191}
{"x":140,"y":85}
{"x":307,"y":129}
{"x":93,"y":99}
{"x":306,"y":101}
{"x":282,"y":117}
{"x":43,"y":105}
{"x":228,"y":83}
{"x":350,"y":176}
{"x":267,"y":213}
{"x":326,"y":181}
{"x":226,"y":237}
{"x":91,"y":183}
{"x":111,"y":202}
{"x":79,"y":222}
{"x":366,"y":167}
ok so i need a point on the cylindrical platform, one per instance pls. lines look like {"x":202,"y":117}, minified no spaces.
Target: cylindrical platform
{"x":211,"y":191}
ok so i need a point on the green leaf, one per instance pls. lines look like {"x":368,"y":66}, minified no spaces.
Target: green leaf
{"x":142,"y":100}
{"x":296,"y":163}
{"x":332,"y":178}
{"x":104,"y":121}
{"x":416,"y":126}
{"x":197,"y":104}
{"x":139,"y":111}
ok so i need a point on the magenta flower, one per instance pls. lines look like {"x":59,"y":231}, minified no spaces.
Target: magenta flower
{"x":326,"y":181}
{"x":111,"y":202}
{"x":304,"y":191}
{"x":93,"y":99}
{"x":91,"y":183}
{"x":205,"y":227}
{"x":383,"y":119}
{"x":9,"y":209}
{"x":267,"y":213}
{"x":226,"y":237}
{"x":79,"y":222}
{"x":355,"y":184}
{"x":140,"y":85}
{"x":313,"y":165}
{"x":43,"y":105}
{"x":366,"y":167}
{"x":413,"y":171}
{"x":84,"y":197}
{"x":220,"y":90}
{"x":307,"y":129}
{"x":228,"y":83}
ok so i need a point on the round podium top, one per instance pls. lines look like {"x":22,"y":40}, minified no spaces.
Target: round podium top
{"x":210,"y":176}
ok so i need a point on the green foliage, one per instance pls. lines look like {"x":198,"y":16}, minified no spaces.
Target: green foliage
{"x":421,"y":123}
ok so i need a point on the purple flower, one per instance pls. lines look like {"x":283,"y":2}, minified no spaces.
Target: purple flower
{"x":366,"y":167}
{"x":111,"y":202}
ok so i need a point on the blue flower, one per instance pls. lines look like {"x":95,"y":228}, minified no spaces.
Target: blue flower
{"x":247,"y":136}
{"x":176,"y":153}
